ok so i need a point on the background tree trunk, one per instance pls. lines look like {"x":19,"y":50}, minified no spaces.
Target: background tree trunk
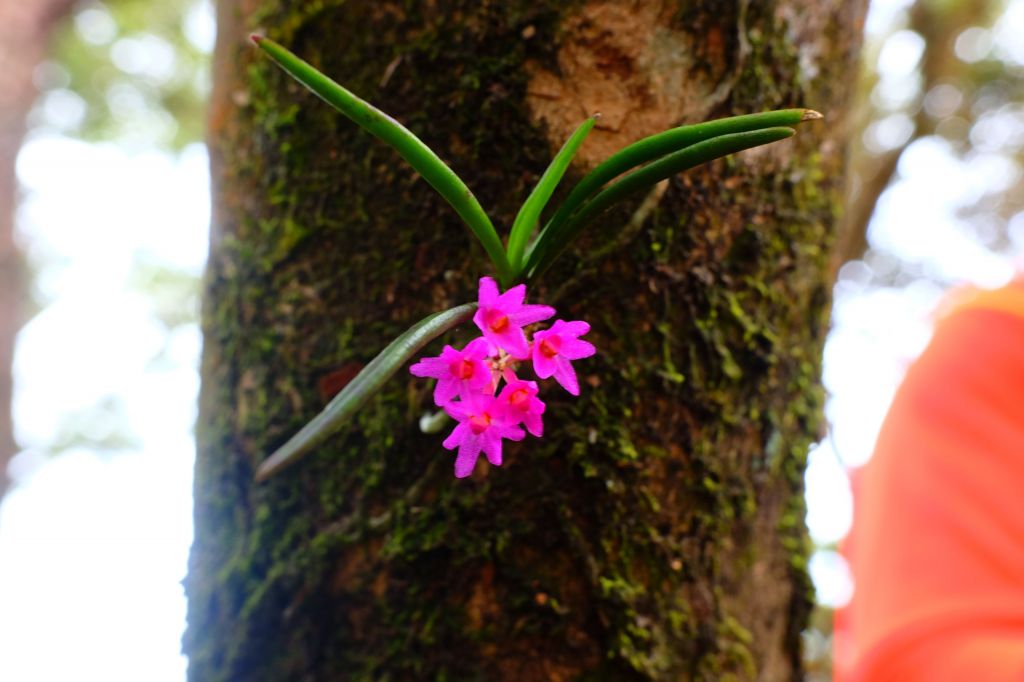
{"x":24,"y":29}
{"x":656,"y":531}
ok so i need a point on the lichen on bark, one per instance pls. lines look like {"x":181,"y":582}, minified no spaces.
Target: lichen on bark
{"x":656,"y":531}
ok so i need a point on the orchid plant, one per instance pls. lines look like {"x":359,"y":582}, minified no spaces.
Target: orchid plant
{"x":478,"y":386}
{"x":475,"y":373}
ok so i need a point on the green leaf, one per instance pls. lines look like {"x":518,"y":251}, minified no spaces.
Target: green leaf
{"x":659,"y":145}
{"x":538,"y":199}
{"x":411,"y":148}
{"x":550,"y":244}
{"x":363,"y":387}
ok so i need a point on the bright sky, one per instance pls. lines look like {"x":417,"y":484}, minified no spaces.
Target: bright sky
{"x":93,"y":544}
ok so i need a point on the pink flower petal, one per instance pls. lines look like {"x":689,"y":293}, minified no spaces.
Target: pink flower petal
{"x":518,"y":400}
{"x":576,"y":328}
{"x":513,"y":341}
{"x":429,"y":367}
{"x":481,"y":378}
{"x":477,"y":349}
{"x":566,"y":375}
{"x":456,"y":437}
{"x":445,"y":391}
{"x":480,"y":321}
{"x":511,"y":432}
{"x":513,"y":298}
{"x":449,"y":354}
{"x":488,"y":292}
{"x":479,"y":403}
{"x":490,"y":441}
{"x":528,"y":314}
{"x":543,"y":364}
{"x":465,"y":461}
{"x":457,"y":411}
{"x":575,"y":349}
{"x":510,"y":338}
{"x":534,"y":424}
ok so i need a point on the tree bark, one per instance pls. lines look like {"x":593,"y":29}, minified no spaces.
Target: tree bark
{"x":24,"y":29}
{"x":656,"y":531}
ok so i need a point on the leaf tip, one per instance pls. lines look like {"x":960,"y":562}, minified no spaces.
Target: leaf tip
{"x":811,"y":115}
{"x":256,"y":38}
{"x":267,"y":468}
{"x":282,"y":458}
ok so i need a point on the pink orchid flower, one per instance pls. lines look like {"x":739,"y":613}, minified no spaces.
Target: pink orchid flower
{"x":482,"y":426}
{"x":457,"y":371}
{"x":522,"y":406}
{"x":469,"y":379}
{"x":501,"y":317}
{"x":554,"y":348}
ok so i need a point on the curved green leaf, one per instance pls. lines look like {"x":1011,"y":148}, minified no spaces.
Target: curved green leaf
{"x":411,"y":148}
{"x":550,"y":244}
{"x":538,"y":199}
{"x":363,"y":387}
{"x":673,"y":140}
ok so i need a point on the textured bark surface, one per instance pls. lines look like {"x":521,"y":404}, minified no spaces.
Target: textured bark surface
{"x":656,"y":531}
{"x":24,"y":29}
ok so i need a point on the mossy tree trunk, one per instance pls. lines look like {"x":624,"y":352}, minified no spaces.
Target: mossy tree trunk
{"x":656,"y":531}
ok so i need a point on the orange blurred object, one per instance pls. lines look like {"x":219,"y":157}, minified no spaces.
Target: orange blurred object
{"x":937,"y":546}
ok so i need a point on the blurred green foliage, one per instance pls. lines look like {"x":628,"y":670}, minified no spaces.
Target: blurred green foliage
{"x":948,"y":69}
{"x":132,"y":71}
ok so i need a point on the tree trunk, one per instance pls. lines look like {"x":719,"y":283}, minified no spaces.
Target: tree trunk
{"x":656,"y":531}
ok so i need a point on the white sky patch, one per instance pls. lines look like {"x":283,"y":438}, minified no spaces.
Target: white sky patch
{"x":63,"y":109}
{"x":875,"y":336}
{"x":915,"y":218}
{"x":973,"y":44}
{"x":829,"y":499}
{"x":900,"y":54}
{"x":201,"y":26}
{"x":95,"y":25}
{"x":1008,"y":31}
{"x":145,"y":55}
{"x":831,"y":576}
{"x":92,"y":209}
{"x":91,"y":555}
{"x":74,"y":353}
{"x":93,"y":545}
{"x":883,"y":15}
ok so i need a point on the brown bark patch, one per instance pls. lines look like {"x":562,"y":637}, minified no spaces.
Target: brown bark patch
{"x":483,"y":601}
{"x":627,"y":62}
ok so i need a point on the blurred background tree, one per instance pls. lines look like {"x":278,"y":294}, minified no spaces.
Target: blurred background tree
{"x":24,"y":30}
{"x":129,"y":72}
{"x":934,"y":199}
{"x":949,"y":70}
